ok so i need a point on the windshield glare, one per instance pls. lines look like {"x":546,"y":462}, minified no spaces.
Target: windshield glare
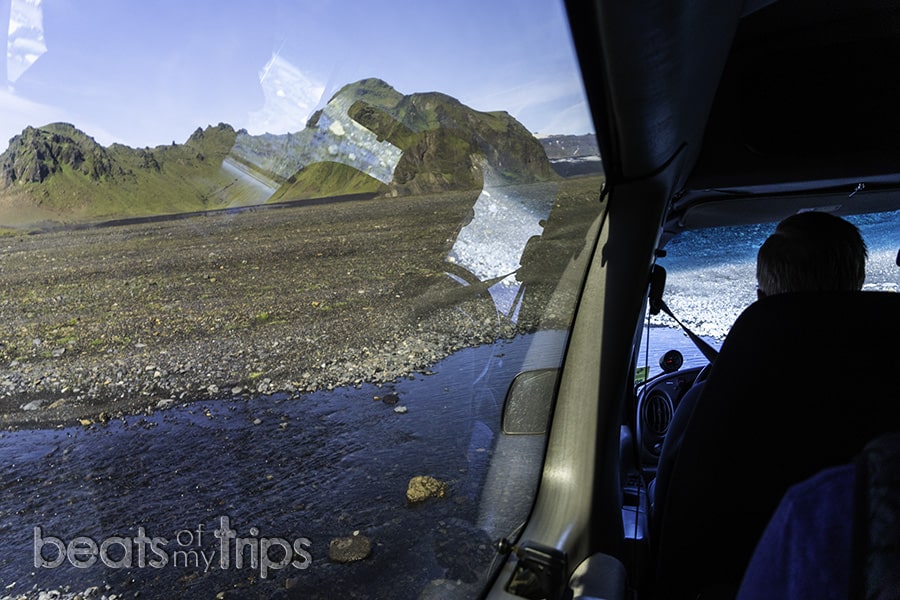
{"x":267,"y":273}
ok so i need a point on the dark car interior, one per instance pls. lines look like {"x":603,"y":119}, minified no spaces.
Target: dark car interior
{"x":759,"y":426}
{"x":709,"y":114}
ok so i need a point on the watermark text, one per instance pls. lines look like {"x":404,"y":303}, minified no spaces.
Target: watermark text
{"x":198,"y":548}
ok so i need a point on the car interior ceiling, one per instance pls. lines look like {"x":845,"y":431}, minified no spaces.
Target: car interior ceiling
{"x":764,"y":99}
{"x":805,"y":116}
{"x":724,"y":113}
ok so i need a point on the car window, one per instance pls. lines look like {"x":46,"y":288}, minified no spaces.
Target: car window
{"x":267,"y":273}
{"x":711,"y":278}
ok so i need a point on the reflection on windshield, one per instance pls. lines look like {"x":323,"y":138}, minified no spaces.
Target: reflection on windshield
{"x":25,"y":43}
{"x":268,"y":357}
{"x":492,"y":244}
{"x":333,"y":137}
{"x":290,"y":97}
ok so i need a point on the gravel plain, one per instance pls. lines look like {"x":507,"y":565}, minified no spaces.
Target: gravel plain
{"x":104,"y":321}
{"x":98,"y":321}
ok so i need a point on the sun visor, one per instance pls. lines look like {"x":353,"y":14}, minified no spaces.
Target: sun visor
{"x":719,"y":209}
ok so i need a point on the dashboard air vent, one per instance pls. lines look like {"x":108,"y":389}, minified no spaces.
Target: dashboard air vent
{"x":656,"y":414}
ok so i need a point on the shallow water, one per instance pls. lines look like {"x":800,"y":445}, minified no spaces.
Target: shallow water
{"x":283,"y":472}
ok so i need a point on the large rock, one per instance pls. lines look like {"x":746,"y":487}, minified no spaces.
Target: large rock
{"x":422,"y":487}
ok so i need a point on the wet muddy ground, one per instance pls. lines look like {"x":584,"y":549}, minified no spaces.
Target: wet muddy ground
{"x":301,"y":472}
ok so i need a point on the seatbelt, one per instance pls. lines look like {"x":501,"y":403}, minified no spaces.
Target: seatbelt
{"x":657,"y":285}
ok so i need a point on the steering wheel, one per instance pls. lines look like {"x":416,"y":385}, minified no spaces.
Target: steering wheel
{"x":703,"y":374}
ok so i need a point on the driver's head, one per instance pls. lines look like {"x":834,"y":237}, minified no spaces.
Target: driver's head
{"x":811,"y":251}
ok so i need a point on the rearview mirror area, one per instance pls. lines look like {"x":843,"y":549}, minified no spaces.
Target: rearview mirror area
{"x":526,"y":410}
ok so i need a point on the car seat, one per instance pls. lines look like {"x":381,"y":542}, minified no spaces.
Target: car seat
{"x":803,"y":381}
{"x":835,"y":535}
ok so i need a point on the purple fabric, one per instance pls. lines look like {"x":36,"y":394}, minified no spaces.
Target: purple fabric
{"x":806,"y":550}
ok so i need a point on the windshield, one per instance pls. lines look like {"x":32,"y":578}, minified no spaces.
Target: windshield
{"x":711,"y":279}
{"x":268,"y":271}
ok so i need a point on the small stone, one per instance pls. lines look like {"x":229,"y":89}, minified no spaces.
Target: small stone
{"x":33,"y":405}
{"x":349,"y":549}
{"x":166,"y":403}
{"x":400,"y":410}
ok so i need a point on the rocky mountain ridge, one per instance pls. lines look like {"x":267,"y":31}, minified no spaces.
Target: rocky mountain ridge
{"x":368,"y":138}
{"x":39,"y":153}
{"x":404,"y":144}
{"x":560,"y":147}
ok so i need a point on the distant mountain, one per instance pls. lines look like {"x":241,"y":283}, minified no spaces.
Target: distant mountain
{"x":572,"y":155}
{"x":570,"y":146}
{"x":371,"y":138}
{"x":368,"y":138}
{"x":58,"y":174}
{"x":38,"y":154}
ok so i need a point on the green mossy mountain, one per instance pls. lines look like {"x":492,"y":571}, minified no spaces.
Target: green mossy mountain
{"x":368,"y":139}
{"x":445,"y":145}
{"x":37,"y":154}
{"x":58,"y":174}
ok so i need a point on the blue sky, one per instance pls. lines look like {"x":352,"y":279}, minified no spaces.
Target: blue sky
{"x":149,"y":73}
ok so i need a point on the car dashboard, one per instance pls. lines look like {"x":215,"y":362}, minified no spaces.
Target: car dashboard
{"x":656,"y":403}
